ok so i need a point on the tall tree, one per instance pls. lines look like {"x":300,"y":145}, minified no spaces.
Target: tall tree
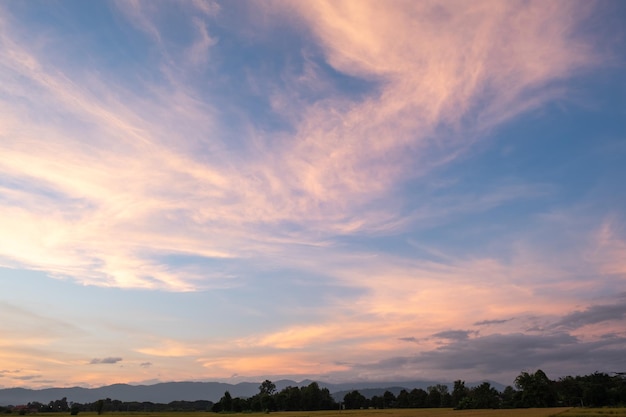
{"x":459,"y":392}
{"x":537,"y":389}
{"x":485,"y":396}
{"x":509,"y":397}
{"x":226,"y":402}
{"x":311,"y":397}
{"x":389,"y":399}
{"x":434,"y":397}
{"x":99,"y":406}
{"x":267,"y":387}
{"x":354,"y":400}
{"x":418,"y":398}
{"x":403,"y":400}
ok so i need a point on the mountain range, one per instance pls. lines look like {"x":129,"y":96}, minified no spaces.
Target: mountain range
{"x":191,"y":391}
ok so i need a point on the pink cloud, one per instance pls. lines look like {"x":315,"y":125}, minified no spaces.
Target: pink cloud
{"x":457,"y":65}
{"x":435,"y":66}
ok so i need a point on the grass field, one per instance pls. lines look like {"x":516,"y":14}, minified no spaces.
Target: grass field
{"x":429,"y":412}
{"x":432,"y":412}
{"x":420,"y":412}
{"x":423,"y":412}
{"x":595,"y":412}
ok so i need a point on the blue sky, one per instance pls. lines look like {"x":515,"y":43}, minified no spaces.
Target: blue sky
{"x":331,"y":190}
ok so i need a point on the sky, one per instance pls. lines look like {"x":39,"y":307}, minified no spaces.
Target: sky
{"x":334,"y":190}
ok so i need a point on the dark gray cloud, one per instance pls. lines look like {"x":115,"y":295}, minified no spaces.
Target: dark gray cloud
{"x":454,"y":334}
{"x":592,"y":315}
{"x":109,"y":360}
{"x":27,"y":377}
{"x":558,"y":354}
{"x":408,"y":339}
{"x":343,"y":363}
{"x":498,"y":351}
{"x":489,"y":322}
{"x":10,"y":373}
{"x":146,"y":364}
{"x":554,"y":345}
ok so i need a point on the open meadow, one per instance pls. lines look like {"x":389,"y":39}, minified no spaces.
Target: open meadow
{"x":422,"y":412}
{"x":595,"y":412}
{"x":448,"y":412}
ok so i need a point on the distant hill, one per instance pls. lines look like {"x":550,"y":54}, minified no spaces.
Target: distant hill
{"x":192,"y":391}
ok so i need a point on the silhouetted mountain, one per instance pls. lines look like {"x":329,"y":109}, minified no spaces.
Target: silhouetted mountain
{"x":192,"y":391}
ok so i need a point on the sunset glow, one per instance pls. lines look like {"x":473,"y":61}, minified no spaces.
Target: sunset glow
{"x":332,"y":190}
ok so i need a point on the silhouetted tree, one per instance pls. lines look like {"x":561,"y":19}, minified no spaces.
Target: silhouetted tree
{"x":354,"y":400}
{"x":536,"y":389}
{"x":459,"y":392}
{"x":403,"y":400}
{"x":434,"y":397}
{"x":267,"y":387}
{"x":290,"y":399}
{"x":389,"y":399}
{"x":509,"y":398}
{"x":418,"y":398}
{"x":99,"y":406}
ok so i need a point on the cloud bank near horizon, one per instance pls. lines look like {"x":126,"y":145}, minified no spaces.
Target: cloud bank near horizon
{"x":336,"y":179}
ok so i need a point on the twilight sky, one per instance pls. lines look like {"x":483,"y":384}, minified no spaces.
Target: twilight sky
{"x":355,"y":190}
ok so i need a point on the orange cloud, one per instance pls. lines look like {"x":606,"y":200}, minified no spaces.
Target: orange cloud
{"x":169,"y":348}
{"x":270,"y":364}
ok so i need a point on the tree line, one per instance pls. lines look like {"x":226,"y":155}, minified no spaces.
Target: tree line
{"x":106,"y":405}
{"x":309,"y":398}
{"x":529,"y":390}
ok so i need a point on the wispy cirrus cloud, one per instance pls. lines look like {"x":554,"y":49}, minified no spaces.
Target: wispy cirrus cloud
{"x":344,"y":156}
{"x":322,"y":186}
{"x":490,"y":322}
{"x":169,"y":348}
{"x":451,"y":86}
{"x":107,"y":361}
{"x":453,"y":334}
{"x":27,"y":377}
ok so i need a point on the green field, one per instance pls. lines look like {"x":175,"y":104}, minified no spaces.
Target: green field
{"x":428,"y":412}
{"x":422,"y":412}
{"x":595,"y":412}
